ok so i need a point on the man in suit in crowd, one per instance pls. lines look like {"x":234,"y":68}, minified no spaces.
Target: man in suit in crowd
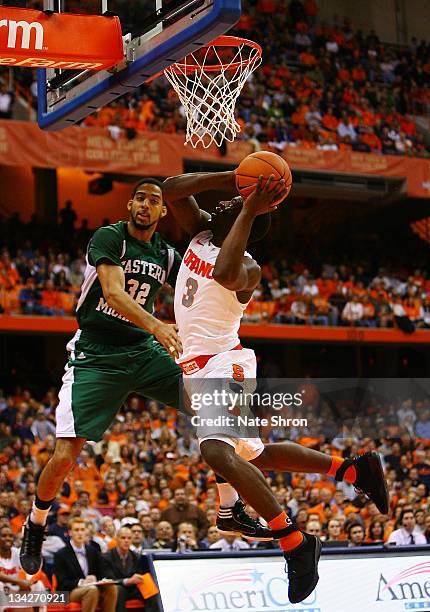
{"x":77,"y":565}
{"x":123,"y":564}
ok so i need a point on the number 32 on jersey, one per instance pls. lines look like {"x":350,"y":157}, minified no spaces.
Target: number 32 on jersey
{"x":139,"y":292}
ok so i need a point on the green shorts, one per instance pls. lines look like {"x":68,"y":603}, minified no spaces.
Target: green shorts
{"x":99,"y":377}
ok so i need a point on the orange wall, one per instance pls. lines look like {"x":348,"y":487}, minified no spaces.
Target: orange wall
{"x":73,"y":185}
{"x":17,"y":194}
{"x":17,"y":191}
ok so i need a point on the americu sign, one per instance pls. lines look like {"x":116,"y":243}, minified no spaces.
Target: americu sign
{"x":375,"y":582}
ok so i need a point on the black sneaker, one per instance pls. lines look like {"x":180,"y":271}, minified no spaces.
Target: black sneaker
{"x":302,"y":564}
{"x":30,"y":554}
{"x":370,"y":479}
{"x":235,"y":521}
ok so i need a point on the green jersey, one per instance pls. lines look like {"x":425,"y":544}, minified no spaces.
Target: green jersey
{"x":147,"y":266}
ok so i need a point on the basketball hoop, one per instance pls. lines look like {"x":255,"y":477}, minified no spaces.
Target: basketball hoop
{"x":208,"y":83}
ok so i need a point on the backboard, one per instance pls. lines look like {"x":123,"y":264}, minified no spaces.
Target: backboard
{"x":156,"y":33}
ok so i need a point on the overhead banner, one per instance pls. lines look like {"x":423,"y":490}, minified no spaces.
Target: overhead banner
{"x":386,"y":583}
{"x":32,"y":38}
{"x":24,"y":144}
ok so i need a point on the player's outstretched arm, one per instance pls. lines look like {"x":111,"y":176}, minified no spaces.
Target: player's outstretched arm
{"x":232,"y":269}
{"x":178,"y":193}
{"x":112,"y":280}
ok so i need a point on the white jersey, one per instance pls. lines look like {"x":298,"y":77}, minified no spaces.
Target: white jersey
{"x":207,"y":314}
{"x":10,"y":567}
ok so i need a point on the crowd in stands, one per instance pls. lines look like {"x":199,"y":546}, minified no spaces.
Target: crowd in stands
{"x":37,"y":278}
{"x":344,"y":295}
{"x":322,"y":85}
{"x":147,"y":474}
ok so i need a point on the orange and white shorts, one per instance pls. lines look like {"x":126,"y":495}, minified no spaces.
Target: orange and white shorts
{"x":217,"y":386}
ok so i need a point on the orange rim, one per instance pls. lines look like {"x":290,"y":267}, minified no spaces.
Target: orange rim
{"x":221,"y":41}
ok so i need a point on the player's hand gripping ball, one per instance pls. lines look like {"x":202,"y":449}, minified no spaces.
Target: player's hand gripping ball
{"x":262,"y":163}
{"x":265,"y":196}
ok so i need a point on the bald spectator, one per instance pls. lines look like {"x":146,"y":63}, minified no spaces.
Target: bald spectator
{"x":164,"y":536}
{"x":122,"y":564}
{"x":181,"y":511}
{"x":229,"y":543}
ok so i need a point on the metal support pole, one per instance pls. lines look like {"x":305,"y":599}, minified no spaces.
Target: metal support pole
{"x":401,"y":22}
{"x":49,"y":6}
{"x":105,"y":9}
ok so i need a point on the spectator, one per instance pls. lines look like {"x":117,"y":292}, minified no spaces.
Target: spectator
{"x":42,"y":427}
{"x":51,"y":304}
{"x":60,"y":527}
{"x":229,"y":543}
{"x":105,"y":538}
{"x":422,"y":425}
{"x":68,"y":218}
{"x":406,"y":534}
{"x":182,"y":511}
{"x":353,"y":311}
{"x":186,"y":538}
{"x":29,"y":298}
{"x":132,"y":570}
{"x":427,"y":528}
{"x":355,"y":534}
{"x":6,"y":102}
{"x":313,"y":527}
{"x":87,"y":511}
{"x":77,"y":566}
{"x":334,"y":531}
{"x":375,"y":534}
{"x":164,"y":536}
{"x":212,"y":537}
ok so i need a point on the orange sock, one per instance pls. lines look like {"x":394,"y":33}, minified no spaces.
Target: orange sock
{"x":350,"y":474}
{"x":290,"y":541}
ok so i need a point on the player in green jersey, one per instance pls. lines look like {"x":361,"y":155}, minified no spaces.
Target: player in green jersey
{"x":119,"y":348}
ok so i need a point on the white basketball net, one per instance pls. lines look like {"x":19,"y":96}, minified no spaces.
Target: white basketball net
{"x":208,"y":86}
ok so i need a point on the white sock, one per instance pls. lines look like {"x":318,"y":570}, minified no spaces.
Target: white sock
{"x":227,"y":495}
{"x":38,"y":516}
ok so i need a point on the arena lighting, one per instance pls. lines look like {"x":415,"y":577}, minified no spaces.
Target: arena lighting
{"x":100,"y":185}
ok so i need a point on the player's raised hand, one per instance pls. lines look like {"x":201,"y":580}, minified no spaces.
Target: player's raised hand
{"x":167,"y":335}
{"x":262,"y":199}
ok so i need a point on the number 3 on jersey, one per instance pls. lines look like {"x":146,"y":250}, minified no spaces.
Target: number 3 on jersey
{"x":141,"y":295}
{"x":191,"y":287}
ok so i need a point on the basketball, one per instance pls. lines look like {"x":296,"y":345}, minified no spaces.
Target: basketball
{"x":262,"y":163}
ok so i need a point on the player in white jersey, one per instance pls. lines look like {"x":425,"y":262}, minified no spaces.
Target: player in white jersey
{"x":215,"y":283}
{"x":12,"y":578}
